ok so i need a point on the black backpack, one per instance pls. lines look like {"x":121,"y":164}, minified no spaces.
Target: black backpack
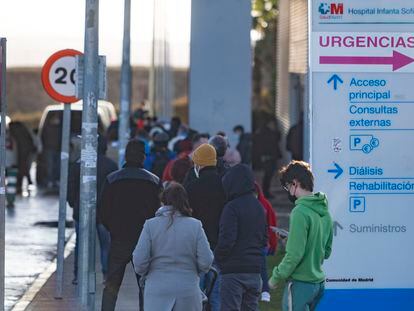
{"x":161,"y":159}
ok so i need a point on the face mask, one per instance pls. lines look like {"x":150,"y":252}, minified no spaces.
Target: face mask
{"x":292,"y":198}
{"x":196,"y":171}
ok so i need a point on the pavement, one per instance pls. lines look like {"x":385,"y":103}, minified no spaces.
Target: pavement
{"x":45,"y":300}
{"x":31,"y":238}
{"x":41,"y":298}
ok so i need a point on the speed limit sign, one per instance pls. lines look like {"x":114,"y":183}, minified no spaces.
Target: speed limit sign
{"x":59,"y":76}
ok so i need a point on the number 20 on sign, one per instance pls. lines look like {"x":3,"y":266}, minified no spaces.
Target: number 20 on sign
{"x":59,"y":76}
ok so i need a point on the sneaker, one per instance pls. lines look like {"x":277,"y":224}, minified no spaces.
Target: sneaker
{"x":265,"y":297}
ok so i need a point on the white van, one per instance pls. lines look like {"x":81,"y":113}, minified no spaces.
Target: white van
{"x":50,"y":130}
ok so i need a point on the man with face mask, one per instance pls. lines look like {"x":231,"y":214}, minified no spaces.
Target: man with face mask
{"x":309,"y":242}
{"x":207,"y":198}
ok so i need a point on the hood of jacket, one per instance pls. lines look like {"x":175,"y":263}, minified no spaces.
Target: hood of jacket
{"x":238,"y":180}
{"x":316,"y":202}
{"x":164,"y":210}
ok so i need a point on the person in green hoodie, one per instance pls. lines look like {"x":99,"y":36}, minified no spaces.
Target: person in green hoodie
{"x":309,"y":242}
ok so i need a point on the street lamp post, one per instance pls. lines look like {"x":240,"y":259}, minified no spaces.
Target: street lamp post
{"x":124,"y":130}
{"x":87,"y":221}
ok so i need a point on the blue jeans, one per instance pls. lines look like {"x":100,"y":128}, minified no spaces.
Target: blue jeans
{"x":52,"y":165}
{"x":302,"y":296}
{"x":263,"y":272}
{"x":205,"y":281}
{"x":104,"y":243}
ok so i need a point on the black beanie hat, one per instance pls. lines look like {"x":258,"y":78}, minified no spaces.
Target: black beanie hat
{"x":135,"y":152}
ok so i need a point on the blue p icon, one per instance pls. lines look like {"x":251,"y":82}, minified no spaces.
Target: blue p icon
{"x":357,"y":204}
{"x":357,"y":141}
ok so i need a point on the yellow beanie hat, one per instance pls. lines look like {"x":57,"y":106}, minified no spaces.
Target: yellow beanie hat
{"x":205,"y":155}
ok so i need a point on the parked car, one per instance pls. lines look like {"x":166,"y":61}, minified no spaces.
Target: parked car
{"x":50,"y":133}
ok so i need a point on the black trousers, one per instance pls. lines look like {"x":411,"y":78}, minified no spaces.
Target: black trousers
{"x":120,"y":254}
{"x":269,"y":168}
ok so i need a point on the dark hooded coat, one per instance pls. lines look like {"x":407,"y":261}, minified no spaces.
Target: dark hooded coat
{"x":242,"y":235}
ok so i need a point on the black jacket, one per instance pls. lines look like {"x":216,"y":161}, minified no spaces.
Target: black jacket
{"x":129,"y":197}
{"x":206,"y":197}
{"x":242,"y":226}
{"x":221,"y":167}
{"x":104,"y":167}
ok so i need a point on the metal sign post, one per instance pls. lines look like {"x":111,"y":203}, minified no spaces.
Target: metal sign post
{"x":87,"y":223}
{"x":58,"y":78}
{"x":64,"y":167}
{"x":124,"y":130}
{"x":3,"y":108}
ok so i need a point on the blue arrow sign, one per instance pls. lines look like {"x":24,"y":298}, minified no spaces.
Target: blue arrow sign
{"x":335,"y":79}
{"x":338,"y":170}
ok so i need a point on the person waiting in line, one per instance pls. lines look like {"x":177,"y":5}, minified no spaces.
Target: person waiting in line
{"x":242,"y":238}
{"x":220,"y":143}
{"x":129,"y":197}
{"x":160,"y":155}
{"x":266,"y":143}
{"x":104,"y":167}
{"x":197,"y":141}
{"x":207,"y":199}
{"x":294,"y":140}
{"x":309,"y":242}
{"x":244,"y":145}
{"x":171,"y":253}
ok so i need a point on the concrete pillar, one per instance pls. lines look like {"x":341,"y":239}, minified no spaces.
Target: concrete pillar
{"x":220,"y":66}
{"x":282,"y":73}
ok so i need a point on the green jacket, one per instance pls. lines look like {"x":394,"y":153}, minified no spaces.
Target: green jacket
{"x":309,"y":241}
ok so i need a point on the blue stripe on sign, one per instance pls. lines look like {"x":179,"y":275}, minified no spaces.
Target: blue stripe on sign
{"x":367,"y":299}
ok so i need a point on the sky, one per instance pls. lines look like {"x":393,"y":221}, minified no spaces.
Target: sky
{"x":36,"y":29}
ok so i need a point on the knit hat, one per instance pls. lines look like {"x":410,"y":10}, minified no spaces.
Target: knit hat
{"x":205,"y":155}
{"x":220,"y":144}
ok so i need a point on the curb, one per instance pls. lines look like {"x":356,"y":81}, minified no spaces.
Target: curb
{"x":40,"y":281}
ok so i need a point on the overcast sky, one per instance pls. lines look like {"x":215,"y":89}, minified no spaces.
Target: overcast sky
{"x":35,"y":29}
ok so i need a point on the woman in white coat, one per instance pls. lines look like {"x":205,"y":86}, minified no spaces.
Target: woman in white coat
{"x":171,"y":253}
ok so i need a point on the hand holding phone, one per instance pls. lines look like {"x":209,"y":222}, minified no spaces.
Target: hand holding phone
{"x":281,"y":233}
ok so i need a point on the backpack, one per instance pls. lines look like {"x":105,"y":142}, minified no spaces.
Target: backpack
{"x":160,"y":161}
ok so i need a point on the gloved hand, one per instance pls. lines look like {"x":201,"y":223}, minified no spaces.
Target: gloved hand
{"x":272,"y":284}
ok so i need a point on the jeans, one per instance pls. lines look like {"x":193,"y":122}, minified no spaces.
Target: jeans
{"x":240,"y":291}
{"x":263,"y":272}
{"x":120,"y":254}
{"x":205,"y":281}
{"x":104,"y":244}
{"x":53,"y":165}
{"x":302,"y":296}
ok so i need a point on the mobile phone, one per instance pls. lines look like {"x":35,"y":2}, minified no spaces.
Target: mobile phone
{"x":280,"y":232}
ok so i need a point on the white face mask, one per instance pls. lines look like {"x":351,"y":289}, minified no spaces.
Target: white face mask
{"x":197,"y":171}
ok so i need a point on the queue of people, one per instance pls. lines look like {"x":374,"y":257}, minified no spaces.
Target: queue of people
{"x":197,"y":227}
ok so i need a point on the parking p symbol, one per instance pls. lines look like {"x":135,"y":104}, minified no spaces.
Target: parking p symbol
{"x":357,"y":204}
{"x":356,"y":141}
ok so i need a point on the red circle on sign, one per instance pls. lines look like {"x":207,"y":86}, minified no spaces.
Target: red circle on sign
{"x":45,"y":76}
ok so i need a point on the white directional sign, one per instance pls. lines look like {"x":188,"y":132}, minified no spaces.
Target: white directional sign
{"x":362,"y":104}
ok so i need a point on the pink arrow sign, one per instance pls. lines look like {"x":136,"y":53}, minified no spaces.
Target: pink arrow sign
{"x":397,"y":60}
